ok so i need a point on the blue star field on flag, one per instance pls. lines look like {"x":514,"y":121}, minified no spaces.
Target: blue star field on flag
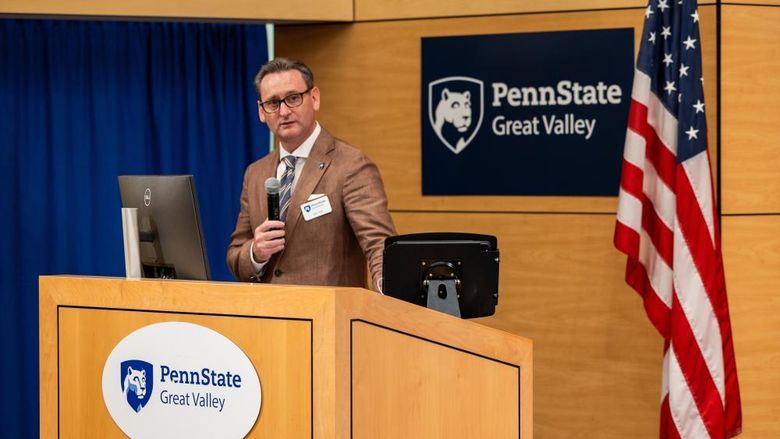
{"x":670,"y":54}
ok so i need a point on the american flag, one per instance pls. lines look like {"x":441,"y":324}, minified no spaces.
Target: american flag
{"x":667,"y":225}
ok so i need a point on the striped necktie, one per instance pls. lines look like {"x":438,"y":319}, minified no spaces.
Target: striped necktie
{"x":287,"y":182}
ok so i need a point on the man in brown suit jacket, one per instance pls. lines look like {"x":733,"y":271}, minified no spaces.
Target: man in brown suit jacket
{"x":327,"y":249}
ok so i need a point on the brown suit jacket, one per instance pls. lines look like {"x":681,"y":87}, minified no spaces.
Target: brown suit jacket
{"x":328,"y":250}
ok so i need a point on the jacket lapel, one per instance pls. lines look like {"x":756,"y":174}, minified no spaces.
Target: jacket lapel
{"x":316,"y":164}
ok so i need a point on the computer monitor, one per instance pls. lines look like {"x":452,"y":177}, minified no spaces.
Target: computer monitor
{"x":169,"y":228}
{"x":456,"y":273}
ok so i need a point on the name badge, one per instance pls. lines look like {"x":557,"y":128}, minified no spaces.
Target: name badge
{"x":316,"y":208}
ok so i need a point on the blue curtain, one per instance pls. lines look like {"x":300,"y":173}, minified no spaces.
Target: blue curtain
{"x":82,"y":102}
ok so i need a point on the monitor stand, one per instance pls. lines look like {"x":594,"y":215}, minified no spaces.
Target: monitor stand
{"x":443,"y":296}
{"x":159,"y":271}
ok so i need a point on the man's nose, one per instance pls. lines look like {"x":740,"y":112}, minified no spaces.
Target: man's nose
{"x":283,"y":109}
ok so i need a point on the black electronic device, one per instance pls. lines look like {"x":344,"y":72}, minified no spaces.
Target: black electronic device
{"x":456,"y":273}
{"x":169,"y":227}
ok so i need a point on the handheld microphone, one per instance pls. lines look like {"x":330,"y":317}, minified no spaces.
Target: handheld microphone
{"x":272,"y":188}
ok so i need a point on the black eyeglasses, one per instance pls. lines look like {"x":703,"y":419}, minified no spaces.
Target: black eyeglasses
{"x":291,"y":100}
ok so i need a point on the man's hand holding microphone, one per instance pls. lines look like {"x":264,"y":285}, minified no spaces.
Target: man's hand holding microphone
{"x":269,"y":236}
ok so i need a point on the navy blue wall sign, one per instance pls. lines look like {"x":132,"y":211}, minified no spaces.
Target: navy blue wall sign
{"x":525,"y":114}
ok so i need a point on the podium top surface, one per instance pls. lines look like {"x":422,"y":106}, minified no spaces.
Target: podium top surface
{"x":331,"y":306}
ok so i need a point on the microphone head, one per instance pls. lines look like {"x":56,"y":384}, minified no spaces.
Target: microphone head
{"x":272,"y":185}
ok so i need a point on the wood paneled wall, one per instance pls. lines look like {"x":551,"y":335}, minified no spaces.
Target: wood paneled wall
{"x":750,"y":108}
{"x":752,"y":262}
{"x":368,"y":10}
{"x":597,"y":362}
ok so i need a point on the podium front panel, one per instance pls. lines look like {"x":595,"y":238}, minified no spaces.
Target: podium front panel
{"x":280,"y":350}
{"x":407,"y":387}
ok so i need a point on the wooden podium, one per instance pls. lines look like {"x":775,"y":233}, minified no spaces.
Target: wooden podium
{"x":333,"y":362}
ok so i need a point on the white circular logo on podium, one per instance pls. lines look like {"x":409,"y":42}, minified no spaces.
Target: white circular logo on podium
{"x":177,"y":379}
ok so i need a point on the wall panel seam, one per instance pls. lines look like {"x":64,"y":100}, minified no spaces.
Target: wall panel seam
{"x":503,"y":212}
{"x":761,"y":5}
{"x":549,"y":212}
{"x":718,"y":109}
{"x":752,"y":214}
{"x":504,"y":14}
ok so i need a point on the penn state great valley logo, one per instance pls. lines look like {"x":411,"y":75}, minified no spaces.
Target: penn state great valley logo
{"x":454,"y":104}
{"x":180,"y":380}
{"x":137,"y":380}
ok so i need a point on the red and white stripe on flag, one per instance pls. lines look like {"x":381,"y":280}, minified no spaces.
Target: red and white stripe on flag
{"x":667,"y":225}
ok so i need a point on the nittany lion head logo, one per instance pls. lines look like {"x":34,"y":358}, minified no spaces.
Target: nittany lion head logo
{"x":455,"y":109}
{"x":137,"y":379}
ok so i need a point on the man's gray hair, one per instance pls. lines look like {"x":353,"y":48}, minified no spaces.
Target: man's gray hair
{"x":278,"y":65}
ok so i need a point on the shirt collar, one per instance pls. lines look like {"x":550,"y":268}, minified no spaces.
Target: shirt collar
{"x":304,"y":149}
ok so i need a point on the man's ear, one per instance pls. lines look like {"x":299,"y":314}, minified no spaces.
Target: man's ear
{"x":315,"y":97}
{"x":260,"y":113}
